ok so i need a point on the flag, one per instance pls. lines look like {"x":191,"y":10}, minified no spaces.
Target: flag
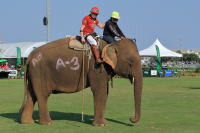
{"x":34,"y":47}
{"x":158,"y":61}
{"x":18,"y":56}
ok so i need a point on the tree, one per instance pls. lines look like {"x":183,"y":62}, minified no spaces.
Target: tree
{"x":190,"y":57}
{"x":179,"y":51}
{"x":194,"y":56}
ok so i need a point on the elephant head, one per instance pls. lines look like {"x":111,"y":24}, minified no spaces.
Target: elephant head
{"x":124,"y":59}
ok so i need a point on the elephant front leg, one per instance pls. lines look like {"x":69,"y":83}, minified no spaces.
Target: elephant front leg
{"x":100,"y":99}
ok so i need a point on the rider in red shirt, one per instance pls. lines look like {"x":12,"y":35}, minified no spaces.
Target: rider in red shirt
{"x":89,"y":23}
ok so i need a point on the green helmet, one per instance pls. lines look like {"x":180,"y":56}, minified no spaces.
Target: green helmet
{"x":115,"y":15}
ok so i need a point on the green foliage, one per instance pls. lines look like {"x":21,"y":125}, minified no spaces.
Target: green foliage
{"x":190,"y":57}
{"x":186,"y":57}
{"x":145,"y":68}
{"x":174,"y":68}
{"x":197,"y":69}
{"x":170,"y":59}
{"x":179,"y":51}
{"x":22,"y":67}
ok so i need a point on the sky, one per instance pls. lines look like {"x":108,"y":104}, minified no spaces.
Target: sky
{"x":146,"y":20}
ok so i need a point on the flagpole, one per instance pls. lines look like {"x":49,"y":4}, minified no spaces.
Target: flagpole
{"x":182,"y":54}
{"x":48,"y":20}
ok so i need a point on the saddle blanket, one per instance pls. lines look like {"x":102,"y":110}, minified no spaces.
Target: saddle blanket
{"x":77,"y":45}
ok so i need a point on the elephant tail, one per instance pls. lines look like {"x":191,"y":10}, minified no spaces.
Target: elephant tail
{"x":25,"y":89}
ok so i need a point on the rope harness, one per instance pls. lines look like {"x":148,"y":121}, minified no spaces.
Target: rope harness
{"x":49,"y":48}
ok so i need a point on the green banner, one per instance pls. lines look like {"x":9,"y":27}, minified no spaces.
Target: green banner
{"x":158,"y":61}
{"x":34,"y":47}
{"x":18,"y":56}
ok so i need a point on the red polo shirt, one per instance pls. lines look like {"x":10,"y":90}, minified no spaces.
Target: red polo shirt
{"x":5,"y":67}
{"x":90,"y":24}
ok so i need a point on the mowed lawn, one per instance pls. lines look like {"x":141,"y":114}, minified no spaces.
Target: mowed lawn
{"x":169,"y":105}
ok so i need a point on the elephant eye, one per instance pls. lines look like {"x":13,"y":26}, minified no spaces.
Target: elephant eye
{"x":132,"y":60}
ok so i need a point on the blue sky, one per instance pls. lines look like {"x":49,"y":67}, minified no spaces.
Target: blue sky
{"x":145,"y":20}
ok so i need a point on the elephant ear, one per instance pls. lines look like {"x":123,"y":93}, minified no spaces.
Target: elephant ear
{"x":109,"y":55}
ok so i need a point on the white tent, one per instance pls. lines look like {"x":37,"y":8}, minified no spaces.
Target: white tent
{"x":8,"y":50}
{"x":164,"y":52}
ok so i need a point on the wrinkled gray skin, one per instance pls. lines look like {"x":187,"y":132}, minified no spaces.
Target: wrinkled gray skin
{"x":54,"y":68}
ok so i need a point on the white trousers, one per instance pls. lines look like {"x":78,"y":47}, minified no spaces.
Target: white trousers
{"x":91,"y":40}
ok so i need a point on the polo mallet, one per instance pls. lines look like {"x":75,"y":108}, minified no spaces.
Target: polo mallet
{"x":83,"y":85}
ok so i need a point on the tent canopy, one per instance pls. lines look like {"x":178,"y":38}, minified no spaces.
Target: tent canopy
{"x":164,"y":52}
{"x":8,"y":50}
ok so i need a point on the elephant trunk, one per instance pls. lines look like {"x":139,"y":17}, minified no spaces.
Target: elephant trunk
{"x":138,"y":81}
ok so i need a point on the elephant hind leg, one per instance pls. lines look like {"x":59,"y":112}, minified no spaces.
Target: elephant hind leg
{"x":28,"y":110}
{"x":44,"y":116}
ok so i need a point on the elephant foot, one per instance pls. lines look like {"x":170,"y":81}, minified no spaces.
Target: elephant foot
{"x":46,"y":122}
{"x":28,"y":121}
{"x":104,"y":122}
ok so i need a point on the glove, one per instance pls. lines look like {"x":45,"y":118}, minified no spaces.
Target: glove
{"x":82,"y":40}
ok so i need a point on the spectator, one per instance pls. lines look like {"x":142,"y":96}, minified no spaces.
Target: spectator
{"x":12,"y":67}
{"x":18,"y":68}
{"x":5,"y":66}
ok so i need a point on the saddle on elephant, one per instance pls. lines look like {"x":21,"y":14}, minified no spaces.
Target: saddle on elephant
{"x":76,"y":44}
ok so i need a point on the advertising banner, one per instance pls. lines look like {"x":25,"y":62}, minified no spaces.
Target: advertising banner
{"x":146,"y":72}
{"x":154,"y":72}
{"x":18,"y":56}
{"x":158,"y":61}
{"x":168,"y":72}
{"x":13,"y":73}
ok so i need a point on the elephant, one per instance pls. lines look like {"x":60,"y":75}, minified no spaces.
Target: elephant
{"x":55,"y":68}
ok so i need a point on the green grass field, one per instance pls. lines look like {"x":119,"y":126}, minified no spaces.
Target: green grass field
{"x":169,"y":105}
